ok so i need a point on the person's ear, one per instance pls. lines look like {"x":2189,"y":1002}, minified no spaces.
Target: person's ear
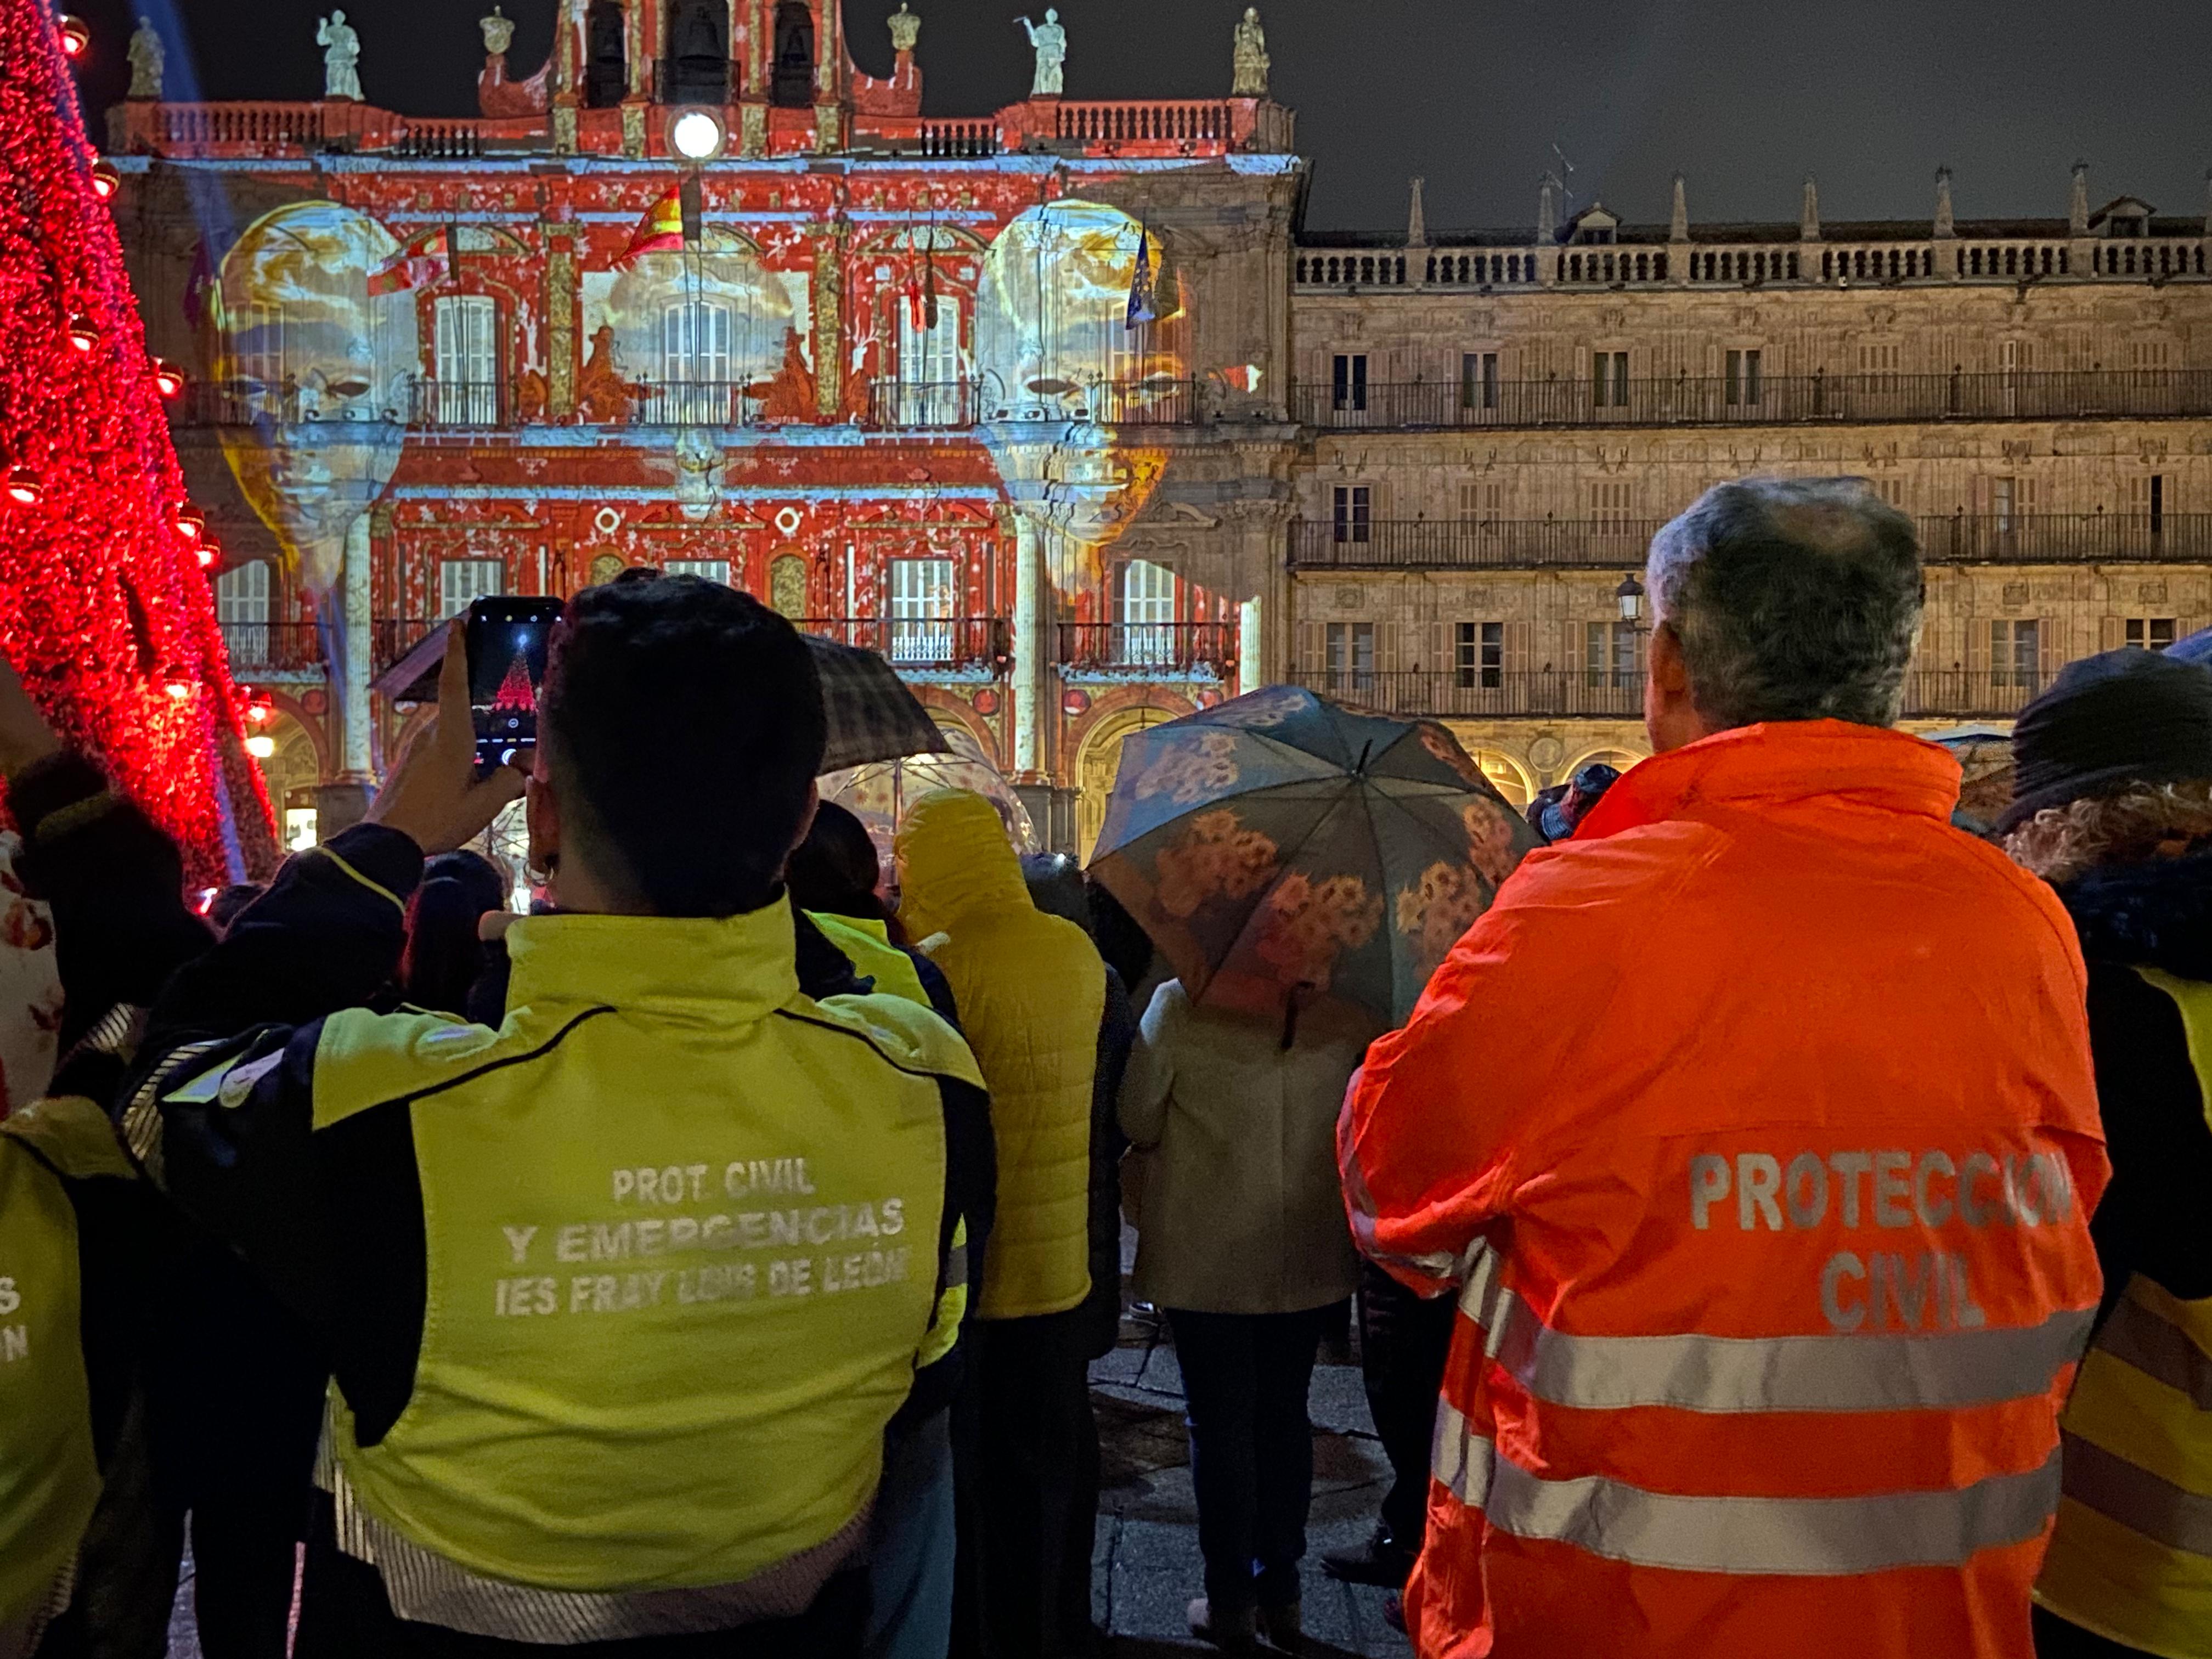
{"x":542,"y":806}
{"x":1669,"y":671}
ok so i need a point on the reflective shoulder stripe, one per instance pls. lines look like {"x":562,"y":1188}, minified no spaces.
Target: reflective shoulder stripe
{"x":2137,"y":1335}
{"x":2138,"y":1499}
{"x":377,"y":888}
{"x":1931,"y":1371}
{"x":1803,"y":1537}
{"x":908,"y":1037}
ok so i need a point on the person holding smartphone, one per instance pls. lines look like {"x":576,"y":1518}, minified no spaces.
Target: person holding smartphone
{"x":621,"y":1296}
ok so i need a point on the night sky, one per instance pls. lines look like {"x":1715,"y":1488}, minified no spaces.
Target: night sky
{"x":1745,"y":96}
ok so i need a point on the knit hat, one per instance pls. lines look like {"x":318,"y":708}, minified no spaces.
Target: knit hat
{"x":2122,"y":717}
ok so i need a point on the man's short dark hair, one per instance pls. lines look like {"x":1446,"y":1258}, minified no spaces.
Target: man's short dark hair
{"x":1794,"y":599}
{"x":683,"y":721}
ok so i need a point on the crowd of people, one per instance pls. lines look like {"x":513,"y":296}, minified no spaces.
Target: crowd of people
{"x":1781,"y":1226}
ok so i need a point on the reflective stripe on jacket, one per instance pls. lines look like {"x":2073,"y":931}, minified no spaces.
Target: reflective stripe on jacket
{"x":681,"y":1220}
{"x":49,"y":1477}
{"x":1032,"y":992}
{"x":2132,"y":1557}
{"x":1759,"y":1125}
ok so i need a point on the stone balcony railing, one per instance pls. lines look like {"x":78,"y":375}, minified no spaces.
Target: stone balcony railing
{"x":1478,"y":693}
{"x":1135,"y":129}
{"x":1621,"y":544}
{"x":1755,"y":398}
{"x":1751,"y":264}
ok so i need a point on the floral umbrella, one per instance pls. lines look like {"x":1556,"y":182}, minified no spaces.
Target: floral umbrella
{"x":1279,"y":844}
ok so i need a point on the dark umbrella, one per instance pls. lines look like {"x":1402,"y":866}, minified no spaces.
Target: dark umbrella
{"x":872,"y":714}
{"x":1279,"y":847}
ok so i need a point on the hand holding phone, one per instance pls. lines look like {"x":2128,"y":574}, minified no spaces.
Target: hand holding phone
{"x":436,"y":798}
{"x":507,"y":644}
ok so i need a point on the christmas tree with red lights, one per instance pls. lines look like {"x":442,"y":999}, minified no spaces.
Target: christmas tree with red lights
{"x":104,"y":608}
{"x":515,"y":694}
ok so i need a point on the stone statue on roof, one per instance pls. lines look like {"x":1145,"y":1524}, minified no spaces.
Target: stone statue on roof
{"x":1049,"y":39}
{"x":147,"y":58}
{"x":340,"y":58}
{"x":498,"y":33}
{"x":906,"y":28}
{"x":1252,"y":61}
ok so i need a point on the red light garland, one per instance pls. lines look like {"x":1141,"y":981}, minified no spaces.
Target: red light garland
{"x":103,"y":607}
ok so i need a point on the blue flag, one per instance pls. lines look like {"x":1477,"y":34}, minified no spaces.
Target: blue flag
{"x":1141,"y":285}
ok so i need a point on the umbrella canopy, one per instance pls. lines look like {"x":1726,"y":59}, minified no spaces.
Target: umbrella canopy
{"x":879,"y":793}
{"x":1279,"y":844}
{"x":872,"y":716}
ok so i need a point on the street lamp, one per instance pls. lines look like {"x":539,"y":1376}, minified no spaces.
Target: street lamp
{"x":1629,"y":593}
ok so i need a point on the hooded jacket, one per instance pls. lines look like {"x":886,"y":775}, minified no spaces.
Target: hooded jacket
{"x":1032,"y":990}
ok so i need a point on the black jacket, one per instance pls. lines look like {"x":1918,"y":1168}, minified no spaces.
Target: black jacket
{"x":2156,"y":1218}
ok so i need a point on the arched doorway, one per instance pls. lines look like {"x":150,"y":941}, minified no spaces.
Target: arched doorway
{"x":699,"y":52}
{"x":290,"y":772}
{"x":1620,"y":760}
{"x":1507,"y":776}
{"x":792,"y":75}
{"x":1098,"y":762}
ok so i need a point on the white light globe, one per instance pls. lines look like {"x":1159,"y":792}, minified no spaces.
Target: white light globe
{"x":696,"y":135}
{"x":261,"y":747}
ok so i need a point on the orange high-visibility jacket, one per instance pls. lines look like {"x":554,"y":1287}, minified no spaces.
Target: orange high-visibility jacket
{"x":1757,"y":1128}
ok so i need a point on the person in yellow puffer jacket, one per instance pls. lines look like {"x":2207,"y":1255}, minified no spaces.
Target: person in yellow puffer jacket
{"x":1032,"y":990}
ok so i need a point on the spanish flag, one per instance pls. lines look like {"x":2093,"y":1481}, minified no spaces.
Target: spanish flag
{"x":417,"y":263}
{"x":661,"y":230}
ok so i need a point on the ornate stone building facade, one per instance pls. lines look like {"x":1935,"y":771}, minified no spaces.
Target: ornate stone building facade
{"x":1498,"y":422}
{"x":1005,"y":398}
{"x":1063,"y":409}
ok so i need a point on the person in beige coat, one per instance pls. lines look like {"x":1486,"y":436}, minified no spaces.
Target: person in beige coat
{"x":1242,"y":1240}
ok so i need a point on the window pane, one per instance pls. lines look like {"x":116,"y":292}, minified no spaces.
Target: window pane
{"x":714,"y":570}
{"x":461,"y":582}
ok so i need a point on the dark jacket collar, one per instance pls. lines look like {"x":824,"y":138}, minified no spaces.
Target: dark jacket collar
{"x":2149,"y":916}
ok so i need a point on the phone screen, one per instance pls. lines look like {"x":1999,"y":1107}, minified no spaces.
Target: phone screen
{"x":507,"y":642}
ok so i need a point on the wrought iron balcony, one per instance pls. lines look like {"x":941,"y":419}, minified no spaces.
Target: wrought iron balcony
{"x":2068,"y":539}
{"x":421,"y":403}
{"x":1757,"y":399}
{"x":1471,"y":543}
{"x":924,"y":644}
{"x":921,"y":403}
{"x":1622,"y":543}
{"x":693,"y":403}
{"x":1168,"y":649}
{"x":1109,"y":403}
{"x":1479,"y":693}
{"x":266,"y":647}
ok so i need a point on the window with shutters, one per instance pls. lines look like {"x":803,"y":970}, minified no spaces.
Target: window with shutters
{"x":931,"y":374}
{"x":1609,"y":380}
{"x":2151,"y":355}
{"x":696,"y":340}
{"x":2147,"y":500}
{"x":714,"y":570}
{"x":1478,"y":380}
{"x":1890,"y":489}
{"x":1479,"y":657}
{"x":1147,"y":599}
{"x":2152,"y":633}
{"x":1481,"y":502}
{"x":1351,"y":661}
{"x":241,"y":607}
{"x":1349,"y":380}
{"x":1355,"y":512}
{"x":467,"y":360}
{"x":1880,"y":363}
{"x":462,"y":582}
{"x":1611,"y":504}
{"x":2016,"y":654}
{"x":924,"y":597}
{"x":1742,"y":388}
{"x":1613,"y":656}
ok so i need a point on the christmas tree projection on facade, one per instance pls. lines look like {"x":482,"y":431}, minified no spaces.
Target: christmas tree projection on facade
{"x":103,"y":606}
{"x":512,"y":720}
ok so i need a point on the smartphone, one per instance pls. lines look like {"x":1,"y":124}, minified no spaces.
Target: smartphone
{"x":507,"y":640}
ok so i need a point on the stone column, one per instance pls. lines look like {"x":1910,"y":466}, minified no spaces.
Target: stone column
{"x":1251,"y":647}
{"x":356,"y":761}
{"x":1032,"y":647}
{"x":829,"y":128}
